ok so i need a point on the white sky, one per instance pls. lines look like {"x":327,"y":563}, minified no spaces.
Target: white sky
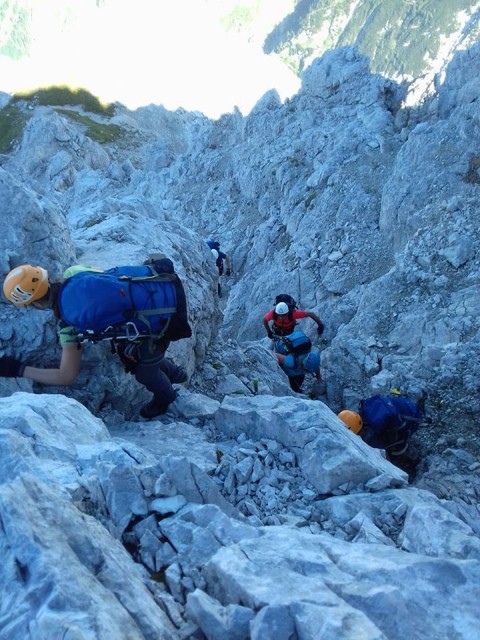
{"x":166,"y":52}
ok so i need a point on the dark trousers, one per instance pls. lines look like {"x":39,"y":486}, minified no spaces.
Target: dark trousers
{"x":155,"y":372}
{"x":296,"y":383}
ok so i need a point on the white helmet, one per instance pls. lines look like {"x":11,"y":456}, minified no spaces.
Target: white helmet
{"x":281,"y":309}
{"x":215,"y":253}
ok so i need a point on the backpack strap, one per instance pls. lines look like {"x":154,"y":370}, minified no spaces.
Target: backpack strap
{"x":155,"y":277}
{"x":143,"y":315}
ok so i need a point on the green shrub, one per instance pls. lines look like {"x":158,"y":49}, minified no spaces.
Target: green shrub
{"x":97,"y":131}
{"x":63,"y":95}
{"x":12,"y":123}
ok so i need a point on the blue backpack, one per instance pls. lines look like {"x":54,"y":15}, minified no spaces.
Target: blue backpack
{"x":126,"y":302}
{"x":389,"y":421}
{"x":297,"y":343}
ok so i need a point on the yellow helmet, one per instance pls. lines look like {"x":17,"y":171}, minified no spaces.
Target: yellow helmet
{"x":25,"y":284}
{"x":353,"y":421}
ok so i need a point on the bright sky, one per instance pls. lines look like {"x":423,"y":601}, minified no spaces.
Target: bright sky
{"x":166,"y":52}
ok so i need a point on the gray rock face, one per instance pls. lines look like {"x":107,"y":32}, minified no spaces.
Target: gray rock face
{"x":26,"y":239}
{"x":248,"y":511}
{"x":365,"y":219}
{"x":102,"y":536}
{"x":315,"y":437}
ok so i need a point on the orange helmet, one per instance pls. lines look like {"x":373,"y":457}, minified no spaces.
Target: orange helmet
{"x":353,"y":421}
{"x":25,"y":284}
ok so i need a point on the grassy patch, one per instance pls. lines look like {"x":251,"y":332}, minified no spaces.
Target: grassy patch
{"x":12,"y":123}
{"x":97,"y":131}
{"x":63,"y":95}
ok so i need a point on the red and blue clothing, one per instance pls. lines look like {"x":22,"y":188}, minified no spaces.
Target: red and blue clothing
{"x":283,"y":325}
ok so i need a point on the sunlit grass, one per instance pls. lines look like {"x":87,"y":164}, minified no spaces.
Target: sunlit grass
{"x":13,"y":117}
{"x":97,"y":131}
{"x":64,"y":96}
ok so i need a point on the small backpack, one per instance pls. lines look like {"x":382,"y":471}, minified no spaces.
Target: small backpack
{"x":289,"y":301}
{"x":126,"y":302}
{"x":389,"y":421}
{"x":213,"y":244}
{"x":284,"y":325}
{"x":297,"y":343}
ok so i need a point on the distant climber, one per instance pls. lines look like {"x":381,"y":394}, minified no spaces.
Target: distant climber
{"x":222,"y":261}
{"x":220,"y":258}
{"x":284,"y":317}
{"x":295,"y":356}
{"x":385,"y":422}
{"x":88,"y":303}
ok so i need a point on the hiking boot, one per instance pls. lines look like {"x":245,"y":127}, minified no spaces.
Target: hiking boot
{"x":153,"y":408}
{"x":180,"y":376}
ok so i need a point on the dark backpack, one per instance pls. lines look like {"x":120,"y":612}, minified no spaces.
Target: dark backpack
{"x":127,"y":301}
{"x":291,"y":304}
{"x":297,"y":343}
{"x":289,"y":301}
{"x":213,"y":244}
{"x":389,"y":421}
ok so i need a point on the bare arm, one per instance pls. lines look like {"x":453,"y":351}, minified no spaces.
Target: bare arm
{"x":314,"y":316}
{"x":268,"y":329}
{"x":228,"y":263}
{"x":280,"y":358}
{"x":65,"y":375}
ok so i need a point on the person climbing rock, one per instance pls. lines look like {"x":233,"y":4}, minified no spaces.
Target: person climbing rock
{"x":296,"y":366}
{"x":284,"y":317}
{"x":385,"y":422}
{"x":222,"y":261}
{"x":87,"y":297}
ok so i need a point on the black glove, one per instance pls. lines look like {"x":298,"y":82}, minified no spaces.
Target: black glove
{"x":11,"y":367}
{"x":270,"y":334}
{"x":228,"y":273}
{"x":320,"y":328}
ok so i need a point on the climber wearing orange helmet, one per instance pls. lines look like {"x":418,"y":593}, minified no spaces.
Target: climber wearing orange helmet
{"x":144,"y":357}
{"x":352,"y":420}
{"x":385,"y":422}
{"x":29,"y":285}
{"x":25,"y":284}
